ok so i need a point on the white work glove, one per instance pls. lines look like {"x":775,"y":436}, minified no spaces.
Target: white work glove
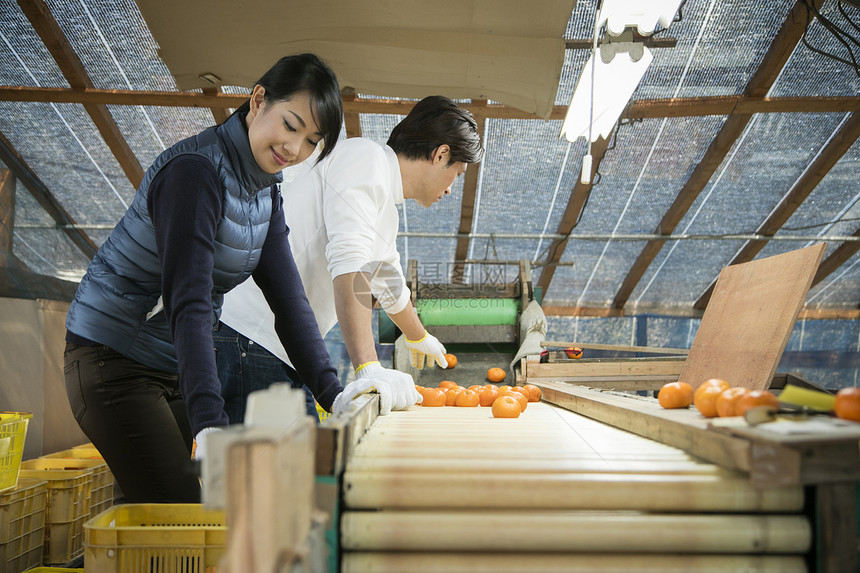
{"x":396,"y":389}
{"x":427,"y":346}
{"x":200,"y":452}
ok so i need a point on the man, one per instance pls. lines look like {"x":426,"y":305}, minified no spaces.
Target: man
{"x":343,"y":221}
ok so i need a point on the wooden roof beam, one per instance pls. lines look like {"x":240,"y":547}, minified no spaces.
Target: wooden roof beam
{"x":351,"y":118}
{"x":45,"y":198}
{"x":575,"y":204}
{"x":836,"y":259}
{"x":58,"y":45}
{"x":639,"y":109}
{"x":219,"y":113}
{"x":467,"y":204}
{"x":7,"y":210}
{"x":771,"y":65}
{"x":815,"y":172}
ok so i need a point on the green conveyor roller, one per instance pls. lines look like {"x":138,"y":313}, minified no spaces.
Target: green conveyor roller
{"x":468,"y":311}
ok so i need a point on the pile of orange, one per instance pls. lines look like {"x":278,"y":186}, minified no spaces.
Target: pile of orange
{"x":505,"y":401}
{"x":714,"y":398}
{"x":717,"y":398}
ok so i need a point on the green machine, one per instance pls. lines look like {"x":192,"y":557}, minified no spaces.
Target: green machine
{"x":479,"y":322}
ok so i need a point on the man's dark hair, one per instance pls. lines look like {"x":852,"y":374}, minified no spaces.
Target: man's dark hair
{"x":435,"y":121}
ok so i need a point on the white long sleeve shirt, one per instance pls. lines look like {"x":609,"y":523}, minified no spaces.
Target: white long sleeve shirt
{"x":342,"y":216}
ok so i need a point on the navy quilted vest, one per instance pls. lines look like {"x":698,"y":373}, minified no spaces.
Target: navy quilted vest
{"x":114,"y":302}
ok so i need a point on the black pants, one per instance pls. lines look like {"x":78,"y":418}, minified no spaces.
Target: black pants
{"x":136,"y":418}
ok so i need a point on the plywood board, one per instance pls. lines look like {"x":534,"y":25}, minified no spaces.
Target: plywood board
{"x":749,"y":318}
{"x":508,"y":51}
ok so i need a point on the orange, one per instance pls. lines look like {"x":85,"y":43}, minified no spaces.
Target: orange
{"x":675,"y":395}
{"x":496,"y":375}
{"x":488,"y":395}
{"x":535,"y":393}
{"x":451,"y":396}
{"x":468,"y":398}
{"x":847,"y":404}
{"x":723,"y":385}
{"x":504,"y":387}
{"x":506,"y":407}
{"x":447,"y":384}
{"x":727,"y":401}
{"x":475,"y":387}
{"x":574,"y":352}
{"x":705,"y":399}
{"x":518,"y":396}
{"x":452,"y":360}
{"x":755,"y":398}
{"x":434,"y":397}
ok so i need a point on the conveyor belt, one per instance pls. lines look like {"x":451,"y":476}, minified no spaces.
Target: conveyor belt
{"x":452,"y":489}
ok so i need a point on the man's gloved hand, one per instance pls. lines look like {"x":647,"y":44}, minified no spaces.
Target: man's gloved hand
{"x":427,"y":346}
{"x":396,"y":389}
{"x":200,"y":451}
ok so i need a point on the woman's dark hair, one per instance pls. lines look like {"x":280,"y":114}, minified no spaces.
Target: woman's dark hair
{"x":435,"y":121}
{"x":306,"y":73}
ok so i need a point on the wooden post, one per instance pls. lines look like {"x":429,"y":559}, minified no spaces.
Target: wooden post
{"x":270,"y":484}
{"x":7,"y":210}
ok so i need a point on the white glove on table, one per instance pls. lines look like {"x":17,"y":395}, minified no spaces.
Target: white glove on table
{"x":200,"y":452}
{"x":396,"y":389}
{"x":427,"y":346}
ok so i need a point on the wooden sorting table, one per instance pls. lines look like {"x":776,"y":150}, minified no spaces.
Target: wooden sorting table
{"x":453,"y":489}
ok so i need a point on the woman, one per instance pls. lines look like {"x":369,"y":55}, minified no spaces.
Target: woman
{"x":139,"y":360}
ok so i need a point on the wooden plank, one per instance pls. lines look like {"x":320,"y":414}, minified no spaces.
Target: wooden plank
{"x":685,"y":429}
{"x":441,"y":561}
{"x":219,"y":114}
{"x":625,"y":383}
{"x":746,"y":326}
{"x":467,"y":207}
{"x":774,"y":60}
{"x":606,"y":367}
{"x":270,"y":486}
{"x":55,"y":41}
{"x":836,"y":509}
{"x":45,"y":198}
{"x":7,"y":210}
{"x":351,"y":119}
{"x":838,"y":145}
{"x":572,"y":214}
{"x":836,"y":259}
{"x":569,"y":531}
{"x":620,"y":347}
{"x":337,"y":436}
{"x":639,"y":109}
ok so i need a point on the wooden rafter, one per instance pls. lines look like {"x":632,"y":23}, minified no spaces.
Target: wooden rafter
{"x":7,"y":209}
{"x":351,"y":119}
{"x":58,"y":45}
{"x":219,"y":114}
{"x":467,"y":206}
{"x":45,"y":198}
{"x":836,"y":259}
{"x":773,"y":62}
{"x":833,"y":151}
{"x":575,"y":205}
{"x":639,"y":109}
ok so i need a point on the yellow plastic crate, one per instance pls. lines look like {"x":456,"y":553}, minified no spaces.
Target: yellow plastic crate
{"x":54,"y":570}
{"x":101,"y":483}
{"x":68,"y":509}
{"x":139,"y":538}
{"x":13,"y":431}
{"x":22,"y":525}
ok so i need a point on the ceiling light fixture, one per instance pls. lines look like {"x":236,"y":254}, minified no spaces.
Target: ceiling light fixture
{"x":607,"y":83}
